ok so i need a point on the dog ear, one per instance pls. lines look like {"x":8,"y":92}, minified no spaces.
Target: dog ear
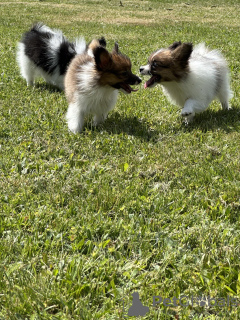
{"x":102,"y":58}
{"x":182,"y":53}
{"x":102,"y":42}
{"x":116,"y":48}
{"x":175,"y":45}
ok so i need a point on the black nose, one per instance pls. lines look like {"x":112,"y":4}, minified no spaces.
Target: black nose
{"x":141,"y":69}
{"x":134,"y":80}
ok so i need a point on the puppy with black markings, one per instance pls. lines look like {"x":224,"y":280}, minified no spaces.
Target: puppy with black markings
{"x":191,"y":76}
{"x":43,"y":52}
{"x":93,"y":81}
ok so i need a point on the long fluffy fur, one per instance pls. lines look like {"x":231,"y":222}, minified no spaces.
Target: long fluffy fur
{"x":84,"y":95}
{"x":43,"y":52}
{"x":199,"y":76}
{"x":92,"y":83}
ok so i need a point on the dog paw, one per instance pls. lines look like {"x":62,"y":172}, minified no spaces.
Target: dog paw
{"x":30,"y":83}
{"x":186,"y":114}
{"x":226,"y":106}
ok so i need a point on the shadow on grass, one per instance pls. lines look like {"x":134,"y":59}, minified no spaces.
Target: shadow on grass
{"x":47,"y":86}
{"x":131,"y":125}
{"x":4,"y":134}
{"x":211,"y":120}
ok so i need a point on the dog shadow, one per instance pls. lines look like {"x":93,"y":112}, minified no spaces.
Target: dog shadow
{"x":131,"y":125}
{"x":211,"y":120}
{"x":47,"y":87}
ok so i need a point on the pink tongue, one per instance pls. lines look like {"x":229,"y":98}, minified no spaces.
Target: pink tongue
{"x":150,"y":82}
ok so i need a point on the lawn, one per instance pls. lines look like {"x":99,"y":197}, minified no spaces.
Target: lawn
{"x":142,"y":203}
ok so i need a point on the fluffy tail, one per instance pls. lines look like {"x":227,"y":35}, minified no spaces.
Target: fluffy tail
{"x":80,"y":45}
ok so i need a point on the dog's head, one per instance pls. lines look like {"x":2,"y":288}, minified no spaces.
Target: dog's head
{"x":114,"y":69}
{"x":169,"y":64}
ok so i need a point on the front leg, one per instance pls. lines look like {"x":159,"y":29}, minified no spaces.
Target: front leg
{"x":188,"y":116}
{"x":191,"y":107}
{"x":75,"y":118}
{"x":99,"y":118}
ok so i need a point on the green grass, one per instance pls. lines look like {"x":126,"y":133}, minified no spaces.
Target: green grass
{"x":141,"y":203}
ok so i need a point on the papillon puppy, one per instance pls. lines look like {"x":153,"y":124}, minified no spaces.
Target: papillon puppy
{"x":46,"y":53}
{"x":93,"y":81}
{"x":191,"y":76}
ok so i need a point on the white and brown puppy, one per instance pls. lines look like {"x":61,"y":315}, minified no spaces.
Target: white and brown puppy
{"x":191,"y":76}
{"x":93,"y":81}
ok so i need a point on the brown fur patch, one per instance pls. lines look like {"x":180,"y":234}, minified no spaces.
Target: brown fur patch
{"x":74,"y":69}
{"x":120,"y":70}
{"x":94,"y":44}
{"x":172,"y":63}
{"x":113,"y":67}
{"x":121,"y":61}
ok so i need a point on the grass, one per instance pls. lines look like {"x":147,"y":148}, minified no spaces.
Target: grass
{"x":142,"y":203}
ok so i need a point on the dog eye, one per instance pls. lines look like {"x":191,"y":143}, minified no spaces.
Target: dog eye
{"x":124,"y":74}
{"x":159,"y":65}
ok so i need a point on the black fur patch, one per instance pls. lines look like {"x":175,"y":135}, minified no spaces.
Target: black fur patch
{"x":37,"y":48}
{"x":175,"y":45}
{"x":65,"y":55}
{"x":102,"y":42}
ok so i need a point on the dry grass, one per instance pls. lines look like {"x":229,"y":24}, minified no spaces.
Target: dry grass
{"x":142,"y":13}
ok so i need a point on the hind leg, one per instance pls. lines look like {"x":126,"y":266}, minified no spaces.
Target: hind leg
{"x":30,"y":79}
{"x":27,"y":67}
{"x":225,"y":93}
{"x":28,"y":71}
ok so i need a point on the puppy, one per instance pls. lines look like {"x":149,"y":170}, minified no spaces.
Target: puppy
{"x":93,"y":81}
{"x":46,"y":53}
{"x":191,"y":77}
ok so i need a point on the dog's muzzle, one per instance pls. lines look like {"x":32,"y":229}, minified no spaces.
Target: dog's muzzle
{"x":145,"y":70}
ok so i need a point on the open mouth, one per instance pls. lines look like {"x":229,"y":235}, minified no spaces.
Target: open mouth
{"x":152,"y":81}
{"x":125,"y":87}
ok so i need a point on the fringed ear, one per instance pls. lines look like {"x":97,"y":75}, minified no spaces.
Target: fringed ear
{"x":175,"y":45}
{"x":116,"y":48}
{"x":102,"y":42}
{"x":182,"y":53}
{"x":102,"y":58}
